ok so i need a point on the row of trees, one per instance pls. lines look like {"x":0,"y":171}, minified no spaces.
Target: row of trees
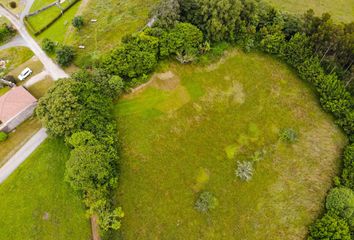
{"x":80,"y":110}
{"x":6,"y":32}
{"x":320,"y":50}
{"x":247,"y":21}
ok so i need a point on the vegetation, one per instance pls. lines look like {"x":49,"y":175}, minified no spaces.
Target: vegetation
{"x":18,"y":138}
{"x":3,"y":136}
{"x":182,"y":133}
{"x":6,"y":32}
{"x":342,"y":11}
{"x":83,"y":116}
{"x":244,"y":170}
{"x":48,"y":46}
{"x":15,"y":57}
{"x":206,"y":202}
{"x":288,"y":135}
{"x":78,"y":22}
{"x":38,"y":185}
{"x":329,"y":227}
{"x":65,"y":55}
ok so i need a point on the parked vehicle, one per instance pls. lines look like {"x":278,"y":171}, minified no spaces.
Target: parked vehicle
{"x":24,"y":74}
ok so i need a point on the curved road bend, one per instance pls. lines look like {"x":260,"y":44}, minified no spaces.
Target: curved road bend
{"x":53,"y":69}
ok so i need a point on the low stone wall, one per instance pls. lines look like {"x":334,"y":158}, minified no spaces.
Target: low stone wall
{"x":20,"y":118}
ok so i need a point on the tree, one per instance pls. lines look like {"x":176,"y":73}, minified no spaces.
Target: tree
{"x":65,"y":55}
{"x":78,"y":22}
{"x":206,"y":202}
{"x":137,"y":56}
{"x":184,"y":39}
{"x":167,"y":13}
{"x":3,"y":136}
{"x":216,"y":18}
{"x":348,"y":171}
{"x":329,"y":227}
{"x":60,"y":110}
{"x":48,"y":46}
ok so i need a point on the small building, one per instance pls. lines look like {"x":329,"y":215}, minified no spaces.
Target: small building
{"x":16,"y":106}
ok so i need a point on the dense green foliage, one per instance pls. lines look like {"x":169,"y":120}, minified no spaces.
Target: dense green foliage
{"x":3,"y":136}
{"x":48,"y":46}
{"x":80,"y":109}
{"x":340,"y":201}
{"x":348,"y":171}
{"x":65,"y":55}
{"x":6,"y":32}
{"x":78,"y":22}
{"x":329,"y":227}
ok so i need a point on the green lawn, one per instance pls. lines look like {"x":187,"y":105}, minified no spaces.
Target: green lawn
{"x":114,"y":20}
{"x":184,"y":133}
{"x":39,"y":89}
{"x":40,"y":20}
{"x":341,"y":10}
{"x":15,"y":57}
{"x":58,"y":31}
{"x":37,"y":204}
{"x":38,"y":4}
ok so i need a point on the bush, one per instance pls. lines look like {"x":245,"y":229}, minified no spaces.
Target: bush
{"x":348,"y":171}
{"x":13,"y":4}
{"x":65,"y":55}
{"x":329,"y":227}
{"x":206,"y":202}
{"x":288,"y":135}
{"x":340,"y":201}
{"x":78,"y":22}
{"x":48,"y":46}
{"x":244,"y":170}
{"x":10,"y":78}
{"x":3,"y":136}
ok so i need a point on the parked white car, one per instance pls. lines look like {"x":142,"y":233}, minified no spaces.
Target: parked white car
{"x":24,"y":74}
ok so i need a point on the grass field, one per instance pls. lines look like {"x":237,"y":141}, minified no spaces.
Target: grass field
{"x":184,"y":133}
{"x":114,"y":20}
{"x":38,"y":4}
{"x":15,"y":57}
{"x":18,"y":138}
{"x":39,"y":89}
{"x":341,"y":10}
{"x":37,"y":204}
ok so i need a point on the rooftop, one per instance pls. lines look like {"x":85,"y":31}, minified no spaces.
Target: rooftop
{"x":14,"y":102}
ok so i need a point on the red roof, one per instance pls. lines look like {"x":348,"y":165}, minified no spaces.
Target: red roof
{"x":14,"y":102}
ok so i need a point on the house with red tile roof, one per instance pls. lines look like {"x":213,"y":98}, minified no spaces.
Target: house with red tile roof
{"x":16,"y":106}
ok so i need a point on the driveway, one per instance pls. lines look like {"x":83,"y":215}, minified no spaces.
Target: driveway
{"x":51,"y":69}
{"x":17,"y":41}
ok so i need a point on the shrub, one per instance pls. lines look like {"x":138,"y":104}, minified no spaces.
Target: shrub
{"x":3,"y":136}
{"x":48,"y":46}
{"x":183,"y":40}
{"x":348,"y":171}
{"x":65,"y":55}
{"x":288,"y":135}
{"x":78,"y":22}
{"x":10,"y":78}
{"x":340,"y":201}
{"x":244,"y":170}
{"x":206,"y":202}
{"x":329,"y":227}
{"x":13,"y":4}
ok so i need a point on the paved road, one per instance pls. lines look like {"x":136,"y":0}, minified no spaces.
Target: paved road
{"x":54,"y":70}
{"x":17,"y":41}
{"x":22,"y":154}
{"x":50,"y":68}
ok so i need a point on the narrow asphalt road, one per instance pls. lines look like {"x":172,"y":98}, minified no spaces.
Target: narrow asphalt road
{"x":17,"y":41}
{"x":50,"y":68}
{"x":53,"y":69}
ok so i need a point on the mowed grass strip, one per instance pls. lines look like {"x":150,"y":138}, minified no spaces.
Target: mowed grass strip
{"x":341,"y":10}
{"x":42,"y":19}
{"x":235,"y":107}
{"x":36,"y":203}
